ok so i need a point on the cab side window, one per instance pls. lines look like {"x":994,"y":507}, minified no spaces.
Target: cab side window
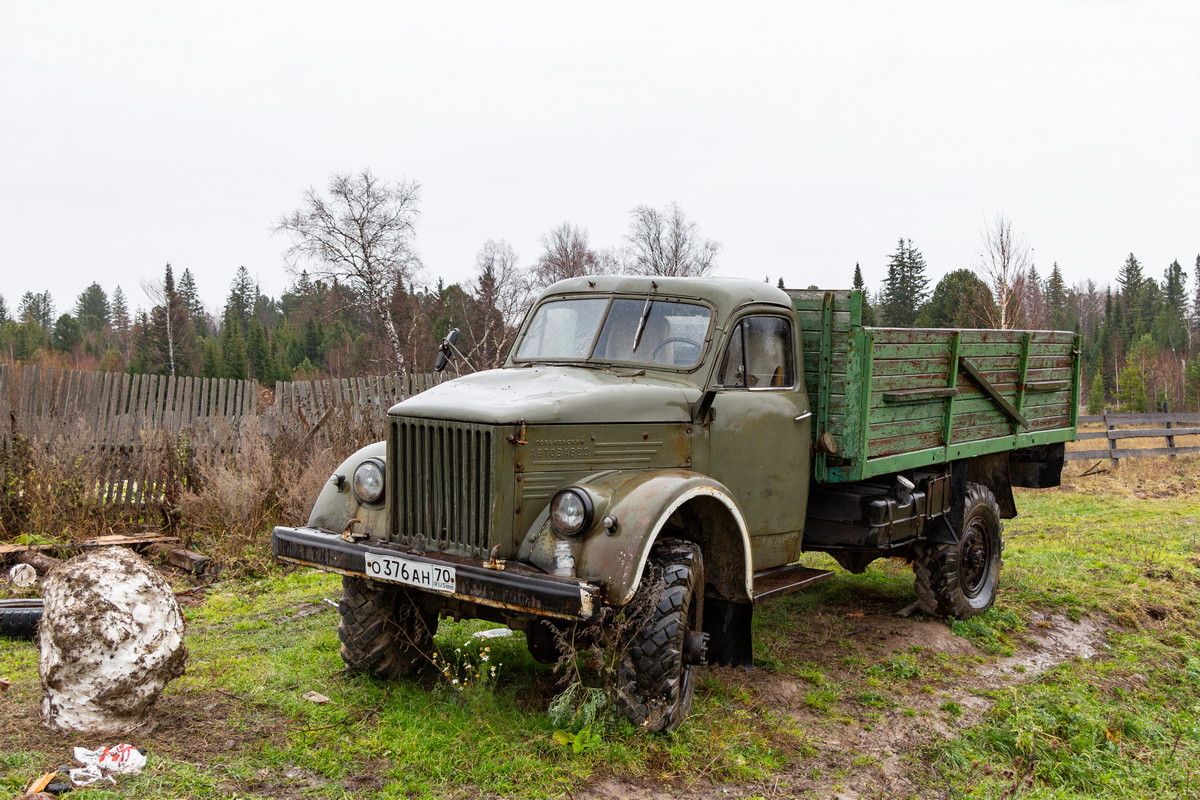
{"x":759,"y":355}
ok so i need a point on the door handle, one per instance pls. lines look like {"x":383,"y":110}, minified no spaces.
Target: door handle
{"x":804,"y":416}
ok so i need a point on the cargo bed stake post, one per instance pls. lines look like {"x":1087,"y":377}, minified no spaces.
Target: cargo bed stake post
{"x":821,"y":468}
{"x":951,"y":383}
{"x":1022,"y":373}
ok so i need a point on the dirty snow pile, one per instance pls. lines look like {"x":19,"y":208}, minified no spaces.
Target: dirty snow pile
{"x":111,"y":638}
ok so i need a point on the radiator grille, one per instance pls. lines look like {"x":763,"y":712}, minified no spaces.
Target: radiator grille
{"x":443,"y":475}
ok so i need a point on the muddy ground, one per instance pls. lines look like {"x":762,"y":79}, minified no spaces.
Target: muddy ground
{"x":874,"y":753}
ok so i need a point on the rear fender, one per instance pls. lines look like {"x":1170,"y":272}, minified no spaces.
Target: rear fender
{"x":676,"y":503}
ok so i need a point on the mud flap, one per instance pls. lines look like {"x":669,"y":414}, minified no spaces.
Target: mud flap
{"x":728,"y":627}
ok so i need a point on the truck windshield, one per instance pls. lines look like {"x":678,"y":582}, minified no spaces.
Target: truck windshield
{"x":637,"y":331}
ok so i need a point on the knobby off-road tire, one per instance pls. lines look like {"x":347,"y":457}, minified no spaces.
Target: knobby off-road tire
{"x":383,"y":631}
{"x":19,"y":618}
{"x":960,"y":580}
{"x":656,"y":682}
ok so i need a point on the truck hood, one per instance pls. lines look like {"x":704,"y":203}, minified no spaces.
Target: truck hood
{"x":547,"y":395}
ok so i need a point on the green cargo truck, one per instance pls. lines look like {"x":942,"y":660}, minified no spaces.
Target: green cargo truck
{"x":688,"y":439}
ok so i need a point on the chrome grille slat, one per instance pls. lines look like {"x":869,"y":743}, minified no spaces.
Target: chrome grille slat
{"x":443,"y":484}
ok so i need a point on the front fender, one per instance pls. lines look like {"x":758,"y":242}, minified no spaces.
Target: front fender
{"x":335,"y":507}
{"x":642,"y":503}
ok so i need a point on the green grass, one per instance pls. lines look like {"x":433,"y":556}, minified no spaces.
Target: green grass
{"x":1125,"y":724}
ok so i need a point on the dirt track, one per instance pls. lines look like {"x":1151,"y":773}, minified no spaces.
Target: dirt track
{"x":889,"y":740}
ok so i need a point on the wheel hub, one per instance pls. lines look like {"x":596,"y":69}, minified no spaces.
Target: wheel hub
{"x":973,"y":561}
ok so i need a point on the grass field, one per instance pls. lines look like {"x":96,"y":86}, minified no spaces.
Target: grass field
{"x":1082,"y":682}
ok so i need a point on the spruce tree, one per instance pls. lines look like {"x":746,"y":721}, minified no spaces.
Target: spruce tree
{"x":1095,"y":401}
{"x":37,"y":307}
{"x":190,"y":295}
{"x":242,"y":293}
{"x":92,"y":309}
{"x":1056,"y":299}
{"x":120,"y":311}
{"x":233,"y":347}
{"x":1170,"y":327}
{"x":906,"y":287}
{"x":868,"y":311}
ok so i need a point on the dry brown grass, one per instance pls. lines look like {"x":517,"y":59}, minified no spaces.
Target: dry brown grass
{"x":221,"y":488}
{"x":1157,"y":476}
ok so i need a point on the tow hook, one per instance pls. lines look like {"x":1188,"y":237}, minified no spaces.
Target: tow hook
{"x":493,"y":562}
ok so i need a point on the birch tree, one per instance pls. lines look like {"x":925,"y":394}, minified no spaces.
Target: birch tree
{"x":1004,"y":265}
{"x":360,"y":233}
{"x":667,"y":243}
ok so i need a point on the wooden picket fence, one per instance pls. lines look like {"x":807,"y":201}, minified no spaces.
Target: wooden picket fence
{"x":112,"y":419}
{"x":311,"y":402}
{"x":1164,"y":427}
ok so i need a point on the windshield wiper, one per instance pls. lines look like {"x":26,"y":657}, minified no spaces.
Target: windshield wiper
{"x":641,"y":328}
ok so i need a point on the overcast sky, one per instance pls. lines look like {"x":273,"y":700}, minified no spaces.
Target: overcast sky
{"x":804,"y":137}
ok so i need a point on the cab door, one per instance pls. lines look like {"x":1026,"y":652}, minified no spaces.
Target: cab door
{"x":760,"y":433}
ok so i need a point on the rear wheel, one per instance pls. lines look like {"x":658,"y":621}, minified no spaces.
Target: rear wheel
{"x":960,"y":580}
{"x":384,"y":631}
{"x":658,"y":668}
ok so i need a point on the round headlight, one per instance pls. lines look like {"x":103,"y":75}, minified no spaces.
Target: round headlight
{"x":368,"y":481}
{"x":571,"y":512}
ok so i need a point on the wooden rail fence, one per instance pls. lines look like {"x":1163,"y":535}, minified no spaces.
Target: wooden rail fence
{"x":1131,"y":427}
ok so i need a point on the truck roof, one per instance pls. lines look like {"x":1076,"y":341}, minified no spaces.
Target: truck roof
{"x":725,"y":293}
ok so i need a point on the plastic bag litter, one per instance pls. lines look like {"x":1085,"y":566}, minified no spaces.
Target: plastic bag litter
{"x":493,"y":633}
{"x":106,"y":762}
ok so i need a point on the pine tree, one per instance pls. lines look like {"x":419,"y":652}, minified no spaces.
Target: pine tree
{"x":3,"y":310}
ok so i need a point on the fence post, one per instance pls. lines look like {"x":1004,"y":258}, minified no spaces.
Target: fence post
{"x":1112,"y":443}
{"x":1170,"y":424}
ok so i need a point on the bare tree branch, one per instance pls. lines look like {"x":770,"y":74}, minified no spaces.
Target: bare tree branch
{"x":362,"y":236}
{"x":667,"y":243}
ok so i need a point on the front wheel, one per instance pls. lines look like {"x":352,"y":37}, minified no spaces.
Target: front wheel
{"x":384,"y":631}
{"x":960,"y":580}
{"x":657,"y":672}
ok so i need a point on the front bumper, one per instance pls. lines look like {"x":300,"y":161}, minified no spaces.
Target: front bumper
{"x":518,"y":587}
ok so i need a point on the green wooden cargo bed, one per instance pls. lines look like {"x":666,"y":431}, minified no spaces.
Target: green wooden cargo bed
{"x":891,"y":399}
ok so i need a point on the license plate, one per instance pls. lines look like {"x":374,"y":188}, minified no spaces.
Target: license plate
{"x":414,"y":573}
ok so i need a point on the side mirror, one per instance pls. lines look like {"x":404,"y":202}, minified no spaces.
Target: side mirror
{"x":446,"y":351}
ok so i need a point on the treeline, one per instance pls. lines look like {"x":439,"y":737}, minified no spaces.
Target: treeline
{"x":359,"y":306}
{"x":1140,"y":339}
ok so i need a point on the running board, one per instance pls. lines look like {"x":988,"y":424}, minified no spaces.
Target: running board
{"x":783,"y":580}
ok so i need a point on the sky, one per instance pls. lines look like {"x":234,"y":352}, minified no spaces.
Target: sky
{"x":804,"y":137}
